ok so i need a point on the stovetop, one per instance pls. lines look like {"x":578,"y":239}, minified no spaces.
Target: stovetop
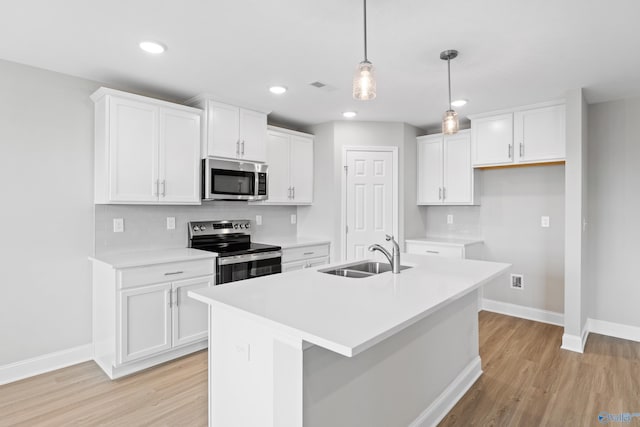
{"x":226,"y":238}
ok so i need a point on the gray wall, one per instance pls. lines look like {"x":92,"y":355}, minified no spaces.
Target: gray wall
{"x":328,"y":151}
{"x":613,"y":211}
{"x":145,"y":227}
{"x":512,"y":201}
{"x":46,"y":171}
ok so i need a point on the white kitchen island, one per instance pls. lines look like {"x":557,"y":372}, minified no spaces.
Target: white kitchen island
{"x":310,"y":349}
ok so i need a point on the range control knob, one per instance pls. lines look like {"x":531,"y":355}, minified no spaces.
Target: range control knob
{"x":247,"y":225}
{"x":196,"y":228}
{"x":235,"y":226}
{"x":203,"y":227}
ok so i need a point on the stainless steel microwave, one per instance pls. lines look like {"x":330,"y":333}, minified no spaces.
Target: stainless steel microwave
{"x":233,"y":180}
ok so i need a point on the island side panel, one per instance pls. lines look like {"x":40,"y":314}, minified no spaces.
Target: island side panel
{"x":396,"y":382}
{"x":255,"y":374}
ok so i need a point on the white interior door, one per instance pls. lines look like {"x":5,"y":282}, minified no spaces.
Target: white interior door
{"x":370,"y":187}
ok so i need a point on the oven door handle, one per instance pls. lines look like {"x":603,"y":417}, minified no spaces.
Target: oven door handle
{"x":237,"y":259}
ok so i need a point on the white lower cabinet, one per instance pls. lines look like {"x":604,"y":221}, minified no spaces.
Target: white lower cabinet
{"x":143,"y":315}
{"x":300,"y":257}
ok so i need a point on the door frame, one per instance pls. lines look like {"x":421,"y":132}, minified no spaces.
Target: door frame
{"x":343,"y":198}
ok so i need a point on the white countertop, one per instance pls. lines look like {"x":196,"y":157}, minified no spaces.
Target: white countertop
{"x":349,"y":315}
{"x":160,"y":256}
{"x":296,"y":242}
{"x":448,"y":241}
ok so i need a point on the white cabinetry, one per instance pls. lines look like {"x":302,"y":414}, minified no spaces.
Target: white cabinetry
{"x":147,"y":151}
{"x":290,"y":160}
{"x":232,"y":132}
{"x":445,"y":247}
{"x":143,"y":316}
{"x":445,"y":174}
{"x":304,"y":256}
{"x":533,"y":134}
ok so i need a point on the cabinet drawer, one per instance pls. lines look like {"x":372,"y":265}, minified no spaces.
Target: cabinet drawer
{"x":435,"y":249}
{"x":301,"y":265}
{"x":168,"y":272}
{"x":314,"y":251}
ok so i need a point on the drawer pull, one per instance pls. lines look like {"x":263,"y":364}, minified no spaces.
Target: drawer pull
{"x":173,"y":273}
{"x":433,"y":252}
{"x":308,"y":253}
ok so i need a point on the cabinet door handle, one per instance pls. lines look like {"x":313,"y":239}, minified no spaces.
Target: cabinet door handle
{"x":177,"y":297}
{"x":521,"y":149}
{"x":433,"y":252}
{"x":164,"y":185}
{"x":237,"y":147}
{"x":444,"y":193}
{"x":173,"y":273}
{"x":293,"y":193}
{"x":308,"y":253}
{"x":243,"y":147}
{"x":509,"y":150}
{"x":439,"y":193}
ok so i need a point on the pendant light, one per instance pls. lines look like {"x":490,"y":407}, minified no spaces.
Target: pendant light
{"x":364,"y":81}
{"x":450,"y":123}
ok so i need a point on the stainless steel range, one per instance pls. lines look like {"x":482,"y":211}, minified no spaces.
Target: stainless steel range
{"x":238,"y":257}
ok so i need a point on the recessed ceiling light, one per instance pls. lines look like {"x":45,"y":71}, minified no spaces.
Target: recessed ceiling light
{"x":152,"y":47}
{"x":278,"y":90}
{"x":349,"y":114}
{"x":459,"y":102}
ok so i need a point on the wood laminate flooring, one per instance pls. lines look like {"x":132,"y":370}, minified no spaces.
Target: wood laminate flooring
{"x":528,"y":381}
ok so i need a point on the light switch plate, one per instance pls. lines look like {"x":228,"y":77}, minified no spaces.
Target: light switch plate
{"x":544,"y":221}
{"x":294,"y":218}
{"x":118,"y":225}
{"x":258,"y":219}
{"x":171,"y":223}
{"x":449,"y":219}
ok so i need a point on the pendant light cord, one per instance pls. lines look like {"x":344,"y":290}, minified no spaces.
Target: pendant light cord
{"x":449,"y":74}
{"x":365,"y":31}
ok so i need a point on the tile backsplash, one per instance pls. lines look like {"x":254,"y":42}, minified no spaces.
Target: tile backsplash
{"x":145,"y":227}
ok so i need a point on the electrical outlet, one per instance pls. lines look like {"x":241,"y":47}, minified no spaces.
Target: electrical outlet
{"x":118,"y":225}
{"x":171,"y":223}
{"x":449,"y":219}
{"x":294,"y":218}
{"x":258,"y":219}
{"x":517,"y":281}
{"x":544,"y":221}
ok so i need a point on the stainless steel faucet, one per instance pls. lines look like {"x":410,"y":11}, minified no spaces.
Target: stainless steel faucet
{"x":393,"y":257}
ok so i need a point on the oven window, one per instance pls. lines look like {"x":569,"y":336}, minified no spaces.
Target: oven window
{"x":246,"y":270}
{"x":232,"y":182}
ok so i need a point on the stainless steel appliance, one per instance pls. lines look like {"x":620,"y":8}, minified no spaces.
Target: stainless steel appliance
{"x":238,"y":257}
{"x":233,"y":180}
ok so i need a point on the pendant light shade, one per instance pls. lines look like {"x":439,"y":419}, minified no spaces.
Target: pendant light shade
{"x":364,"y":81}
{"x":450,"y":124}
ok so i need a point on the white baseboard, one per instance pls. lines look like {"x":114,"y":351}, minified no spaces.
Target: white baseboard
{"x":617,"y":330}
{"x":450,"y":396}
{"x":45,"y":363}
{"x":529,"y":313}
{"x":575,"y":342}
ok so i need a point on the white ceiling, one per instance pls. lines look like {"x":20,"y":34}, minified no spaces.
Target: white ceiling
{"x":512,"y":52}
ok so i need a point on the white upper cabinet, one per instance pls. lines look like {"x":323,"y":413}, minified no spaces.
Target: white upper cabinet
{"x":445,"y":174}
{"x":539,"y":134}
{"x":534,"y":134}
{"x":147,"y":151}
{"x":232,"y":132}
{"x":290,"y":160}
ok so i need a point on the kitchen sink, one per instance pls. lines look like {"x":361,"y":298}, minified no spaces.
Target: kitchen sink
{"x":360,"y":270}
